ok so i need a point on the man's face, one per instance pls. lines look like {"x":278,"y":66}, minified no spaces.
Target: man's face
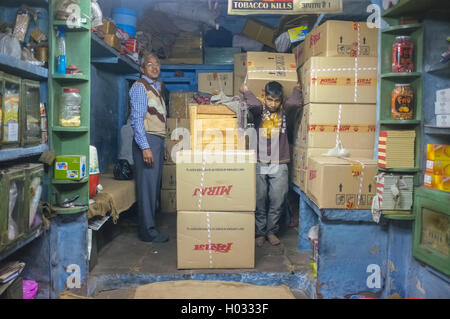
{"x":273,"y":103}
{"x":151,"y":68}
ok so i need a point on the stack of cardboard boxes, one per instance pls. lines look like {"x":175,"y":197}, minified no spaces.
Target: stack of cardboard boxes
{"x":216,"y":196}
{"x":437,"y":175}
{"x":442,"y":108}
{"x":338,"y":73}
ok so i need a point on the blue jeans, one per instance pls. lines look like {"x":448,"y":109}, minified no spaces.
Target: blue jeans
{"x":272,"y":186}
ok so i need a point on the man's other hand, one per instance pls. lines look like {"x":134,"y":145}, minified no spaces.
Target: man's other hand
{"x":148,"y":157}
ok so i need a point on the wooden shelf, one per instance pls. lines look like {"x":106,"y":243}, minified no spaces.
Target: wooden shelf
{"x":399,"y":217}
{"x":439,"y":69}
{"x":403,"y":29}
{"x":70,"y":129}
{"x":70,"y":77}
{"x":82,"y":28}
{"x":399,"y":170}
{"x":395,"y":76}
{"x":70,"y":182}
{"x":10,"y":154}
{"x":400,"y":122}
{"x":434,"y":130}
{"x":21,"y":242}
{"x":24,"y":69}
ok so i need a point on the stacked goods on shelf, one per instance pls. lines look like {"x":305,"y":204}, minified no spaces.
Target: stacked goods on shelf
{"x":442,"y":108}
{"x":214,"y":127}
{"x":216,"y":195}
{"x":437,"y":174}
{"x":395,"y":192}
{"x":258,"y":68}
{"x":214,"y":83}
{"x":396,"y":149}
{"x":337,"y":68}
{"x":187,"y":49}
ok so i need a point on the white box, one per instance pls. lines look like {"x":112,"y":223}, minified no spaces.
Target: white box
{"x":443,"y":120}
{"x":443,"y":96}
{"x":442,"y":108}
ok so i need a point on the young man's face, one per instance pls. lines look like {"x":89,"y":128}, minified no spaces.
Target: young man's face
{"x":272,"y":103}
{"x":151,"y":68}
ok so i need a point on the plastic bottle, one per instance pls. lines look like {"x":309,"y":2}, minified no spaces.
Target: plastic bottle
{"x":70,"y":108}
{"x":61,"y":53}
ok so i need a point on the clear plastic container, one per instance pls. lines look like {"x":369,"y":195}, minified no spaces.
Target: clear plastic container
{"x":70,"y":108}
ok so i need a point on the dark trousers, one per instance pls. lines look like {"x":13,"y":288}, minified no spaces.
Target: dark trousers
{"x":148,"y":184}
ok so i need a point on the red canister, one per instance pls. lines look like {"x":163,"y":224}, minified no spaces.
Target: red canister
{"x":403,"y":55}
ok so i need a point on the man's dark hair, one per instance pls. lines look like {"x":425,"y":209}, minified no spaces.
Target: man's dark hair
{"x":274,"y":89}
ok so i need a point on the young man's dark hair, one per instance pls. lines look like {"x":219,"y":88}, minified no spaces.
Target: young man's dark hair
{"x":274,"y":89}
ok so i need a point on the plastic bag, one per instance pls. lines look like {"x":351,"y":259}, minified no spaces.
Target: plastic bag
{"x":12,"y":226}
{"x":35,"y":191}
{"x":283,"y":42}
{"x":30,"y":289}
{"x":123,"y":170}
{"x":97,"y":15}
{"x":9,"y":45}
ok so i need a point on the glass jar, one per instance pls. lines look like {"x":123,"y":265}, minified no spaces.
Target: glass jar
{"x":70,"y":108}
{"x":403,"y":55}
{"x":402,"y":102}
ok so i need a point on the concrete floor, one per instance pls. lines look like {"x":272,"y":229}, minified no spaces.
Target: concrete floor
{"x":126,"y":262}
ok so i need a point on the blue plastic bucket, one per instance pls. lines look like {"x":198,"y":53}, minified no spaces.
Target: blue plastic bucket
{"x":126,"y":19}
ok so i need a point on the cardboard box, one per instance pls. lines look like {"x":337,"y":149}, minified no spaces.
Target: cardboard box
{"x":335,"y":183}
{"x":260,"y":32}
{"x":113,"y":41}
{"x":443,"y":120}
{"x":442,"y":108}
{"x":300,"y":161}
{"x":173,"y":124}
{"x":72,"y":167}
{"x":438,"y":167}
{"x":179,"y":104}
{"x":332,"y":80}
{"x":168,"y":201}
{"x":231,"y":245}
{"x":108,"y":27}
{"x":443,"y":96}
{"x":339,"y":39}
{"x":213,"y":83}
{"x":299,"y":53}
{"x":438,"y":182}
{"x":216,"y":181}
{"x":169,"y":179}
{"x":263,"y":67}
{"x":437,"y":152}
{"x":318,"y":128}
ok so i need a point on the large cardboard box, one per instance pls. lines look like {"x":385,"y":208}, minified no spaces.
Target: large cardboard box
{"x":263,"y":67}
{"x":168,"y":201}
{"x":260,"y":32}
{"x":213,"y":83}
{"x":335,"y":182}
{"x":169,"y":179}
{"x":216,"y":181}
{"x":339,"y":39}
{"x":231,"y":243}
{"x":318,"y":128}
{"x":175,"y":123}
{"x":339,"y":80}
{"x":179,"y":103}
{"x":300,"y":161}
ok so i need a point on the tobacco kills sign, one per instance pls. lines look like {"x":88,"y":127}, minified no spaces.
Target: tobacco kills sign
{"x":243,"y":7}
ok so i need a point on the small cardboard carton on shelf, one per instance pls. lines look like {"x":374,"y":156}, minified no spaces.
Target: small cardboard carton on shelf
{"x":438,"y":167}
{"x":442,"y":108}
{"x":339,"y":80}
{"x":113,"y":41}
{"x":231,"y":243}
{"x":70,"y":167}
{"x":443,"y":96}
{"x":443,"y":120}
{"x":339,"y":39}
{"x":396,"y":149}
{"x":319,"y":125}
{"x":214,"y":181}
{"x":179,"y":104}
{"x":301,"y":156}
{"x":260,"y":32}
{"x":438,"y":182}
{"x":213,"y":83}
{"x":438,"y":152}
{"x":169,"y":180}
{"x":108,"y":27}
{"x":168,"y":201}
{"x":262,"y":67}
{"x":338,"y":183}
